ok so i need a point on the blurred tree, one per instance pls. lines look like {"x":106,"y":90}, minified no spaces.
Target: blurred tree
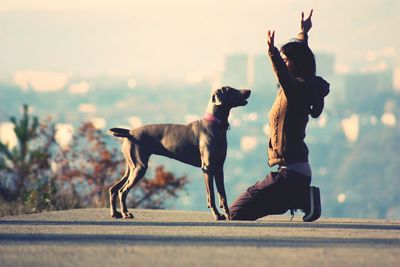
{"x":25,"y":174}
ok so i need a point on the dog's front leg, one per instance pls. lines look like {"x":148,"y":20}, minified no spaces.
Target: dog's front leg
{"x":219,"y":181}
{"x":208,"y":168}
{"x":209,"y":181}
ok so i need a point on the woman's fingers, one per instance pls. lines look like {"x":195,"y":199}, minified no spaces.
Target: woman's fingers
{"x":305,"y":25}
{"x":309,"y":17}
{"x":270,"y":39}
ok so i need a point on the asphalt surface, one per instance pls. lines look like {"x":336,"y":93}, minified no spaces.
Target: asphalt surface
{"x":88,"y":237}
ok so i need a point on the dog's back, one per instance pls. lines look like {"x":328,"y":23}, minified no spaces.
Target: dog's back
{"x":177,"y":141}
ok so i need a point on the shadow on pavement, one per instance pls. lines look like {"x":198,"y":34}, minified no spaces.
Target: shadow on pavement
{"x":150,"y":240}
{"x":317,"y":225}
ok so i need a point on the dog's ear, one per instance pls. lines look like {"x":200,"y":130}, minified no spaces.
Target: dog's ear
{"x":218,"y":97}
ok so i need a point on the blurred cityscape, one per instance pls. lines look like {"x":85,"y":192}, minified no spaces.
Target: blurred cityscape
{"x":353,"y":145}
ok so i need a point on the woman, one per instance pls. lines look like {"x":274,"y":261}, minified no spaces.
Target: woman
{"x":300,"y":94}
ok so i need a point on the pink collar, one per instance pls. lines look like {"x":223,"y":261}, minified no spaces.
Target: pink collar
{"x":211,"y":118}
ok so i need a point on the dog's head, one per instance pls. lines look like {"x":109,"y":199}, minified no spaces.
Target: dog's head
{"x":230,"y":97}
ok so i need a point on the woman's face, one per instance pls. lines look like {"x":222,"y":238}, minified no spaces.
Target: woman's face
{"x":288,"y":62}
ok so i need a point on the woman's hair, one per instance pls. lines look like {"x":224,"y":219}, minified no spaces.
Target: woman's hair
{"x":302,"y":57}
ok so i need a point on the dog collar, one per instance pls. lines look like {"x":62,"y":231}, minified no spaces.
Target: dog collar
{"x":211,"y":118}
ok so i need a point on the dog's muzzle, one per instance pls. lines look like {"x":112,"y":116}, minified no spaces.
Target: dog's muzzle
{"x":246,"y":94}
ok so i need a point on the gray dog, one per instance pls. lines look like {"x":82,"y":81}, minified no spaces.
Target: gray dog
{"x":201,"y":143}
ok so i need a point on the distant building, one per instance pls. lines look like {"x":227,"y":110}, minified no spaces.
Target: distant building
{"x":325,"y":64}
{"x":263,"y":75}
{"x":361,"y":83}
{"x":385,"y":80}
{"x":396,"y":79}
{"x":236,"y":72}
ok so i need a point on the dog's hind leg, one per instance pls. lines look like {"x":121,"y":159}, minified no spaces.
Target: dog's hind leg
{"x":137,"y":163}
{"x":113,"y":192}
{"x":135,"y":175}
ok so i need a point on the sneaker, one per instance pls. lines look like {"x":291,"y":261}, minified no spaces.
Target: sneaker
{"x":314,"y":210}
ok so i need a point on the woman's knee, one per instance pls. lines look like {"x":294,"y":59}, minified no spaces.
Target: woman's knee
{"x":240,"y":215}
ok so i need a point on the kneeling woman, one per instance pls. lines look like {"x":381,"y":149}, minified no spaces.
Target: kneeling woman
{"x":300,"y":94}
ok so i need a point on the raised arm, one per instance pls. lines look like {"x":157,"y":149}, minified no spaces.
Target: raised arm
{"x":288,"y":82}
{"x":278,"y":64}
{"x":305,"y":27}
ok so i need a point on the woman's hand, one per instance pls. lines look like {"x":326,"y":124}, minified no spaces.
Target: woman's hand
{"x":270,"y":41}
{"x":305,"y":25}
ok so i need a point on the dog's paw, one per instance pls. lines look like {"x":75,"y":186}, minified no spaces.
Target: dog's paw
{"x":116,"y":215}
{"x":227,"y":214}
{"x":127,"y":215}
{"x":220,"y":217}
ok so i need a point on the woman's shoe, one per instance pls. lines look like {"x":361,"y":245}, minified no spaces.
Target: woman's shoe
{"x":313,"y":210}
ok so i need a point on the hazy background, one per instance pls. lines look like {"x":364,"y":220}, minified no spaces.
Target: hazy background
{"x":173,"y":39}
{"x":129,"y":63}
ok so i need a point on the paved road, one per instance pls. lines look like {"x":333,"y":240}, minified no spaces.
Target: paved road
{"x":88,"y":237}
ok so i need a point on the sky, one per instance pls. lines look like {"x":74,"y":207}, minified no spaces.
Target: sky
{"x":176,"y":38}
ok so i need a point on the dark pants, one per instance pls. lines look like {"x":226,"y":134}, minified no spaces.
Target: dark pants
{"x":276,"y":194}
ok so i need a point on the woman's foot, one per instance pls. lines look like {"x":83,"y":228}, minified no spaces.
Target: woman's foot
{"x":313,"y":209}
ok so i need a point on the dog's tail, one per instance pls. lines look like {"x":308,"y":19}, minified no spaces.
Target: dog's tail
{"x":119,"y":132}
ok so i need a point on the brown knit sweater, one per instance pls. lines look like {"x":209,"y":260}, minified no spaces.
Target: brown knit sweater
{"x":288,"y":116}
